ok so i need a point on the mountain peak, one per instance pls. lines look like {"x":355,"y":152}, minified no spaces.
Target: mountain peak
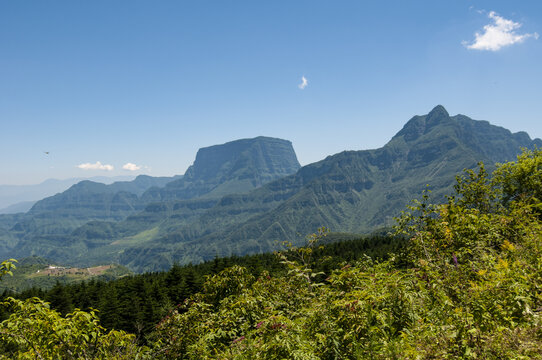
{"x":440,"y":110}
{"x":263,"y":153}
{"x":436,"y":116}
{"x":420,"y":125}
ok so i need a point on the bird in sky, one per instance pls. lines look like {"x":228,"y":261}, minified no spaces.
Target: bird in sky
{"x":46,"y":152}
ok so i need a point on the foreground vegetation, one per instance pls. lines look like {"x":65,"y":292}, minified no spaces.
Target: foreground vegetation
{"x":467,"y":285}
{"x":137,"y":303}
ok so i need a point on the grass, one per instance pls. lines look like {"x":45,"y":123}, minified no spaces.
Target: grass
{"x":139,"y":238}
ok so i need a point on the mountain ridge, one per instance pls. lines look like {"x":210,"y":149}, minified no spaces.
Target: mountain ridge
{"x":352,"y":191}
{"x":14,"y":194}
{"x":201,"y":215}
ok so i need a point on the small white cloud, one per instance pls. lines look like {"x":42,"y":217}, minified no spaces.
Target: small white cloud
{"x":498,"y":35}
{"x":97,"y":166}
{"x":131,"y":167}
{"x":303,"y":84}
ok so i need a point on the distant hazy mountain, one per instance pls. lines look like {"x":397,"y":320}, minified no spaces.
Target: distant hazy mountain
{"x":20,"y":207}
{"x":353,"y":191}
{"x":237,"y":166}
{"x":14,"y":194}
{"x":91,"y":200}
{"x":52,"y":219}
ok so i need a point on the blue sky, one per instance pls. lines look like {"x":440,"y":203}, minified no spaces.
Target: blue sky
{"x":147,"y":83}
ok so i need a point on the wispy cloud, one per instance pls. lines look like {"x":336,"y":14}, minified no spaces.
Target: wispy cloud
{"x":501,"y":33}
{"x":97,"y":166}
{"x":131,"y":167}
{"x":303,"y":84}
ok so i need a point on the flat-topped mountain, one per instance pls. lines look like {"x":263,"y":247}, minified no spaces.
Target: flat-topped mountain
{"x":234,"y":167}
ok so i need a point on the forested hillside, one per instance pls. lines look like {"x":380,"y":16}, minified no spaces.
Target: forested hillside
{"x":465,"y":285}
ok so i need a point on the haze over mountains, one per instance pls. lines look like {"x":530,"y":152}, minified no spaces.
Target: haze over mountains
{"x":244,"y":196}
{"x":47,"y":228}
{"x":20,"y":198}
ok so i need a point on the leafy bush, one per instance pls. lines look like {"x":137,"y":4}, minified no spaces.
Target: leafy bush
{"x":33,"y":331}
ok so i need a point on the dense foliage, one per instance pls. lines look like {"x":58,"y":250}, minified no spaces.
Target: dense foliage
{"x":136,"y":303}
{"x":34,"y":331}
{"x":467,"y":285}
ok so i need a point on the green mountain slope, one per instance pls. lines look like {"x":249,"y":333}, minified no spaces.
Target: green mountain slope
{"x":85,"y":216}
{"x":236,"y":168}
{"x":353,"y":191}
{"x":51,"y":220}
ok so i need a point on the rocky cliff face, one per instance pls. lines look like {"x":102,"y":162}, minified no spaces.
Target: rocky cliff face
{"x":234,"y":167}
